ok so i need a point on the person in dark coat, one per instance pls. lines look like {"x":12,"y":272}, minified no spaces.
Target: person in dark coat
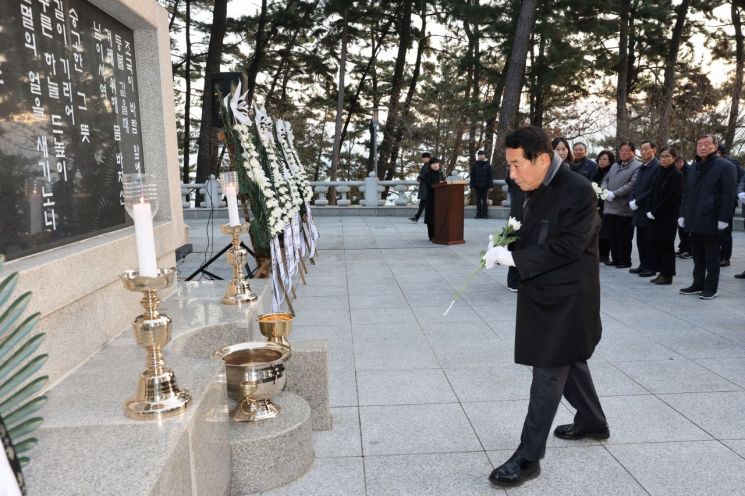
{"x":684,"y":245}
{"x":558,"y":301}
{"x":561,"y":147}
{"x":517,"y":198}
{"x":604,"y":161}
{"x":581,"y":164}
{"x":662,"y":210}
{"x":725,"y":235}
{"x":422,"y":194}
{"x":639,"y":202}
{"x":431,"y":176}
{"x":706,"y":209}
{"x":481,"y":182}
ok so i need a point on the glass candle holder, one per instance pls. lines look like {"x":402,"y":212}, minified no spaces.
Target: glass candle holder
{"x":141,"y":203}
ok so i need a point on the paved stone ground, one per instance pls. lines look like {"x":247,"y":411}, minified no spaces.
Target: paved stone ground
{"x":428,"y":405}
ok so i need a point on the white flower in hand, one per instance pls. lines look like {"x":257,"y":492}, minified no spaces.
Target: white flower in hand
{"x":514,"y":223}
{"x":499,"y":255}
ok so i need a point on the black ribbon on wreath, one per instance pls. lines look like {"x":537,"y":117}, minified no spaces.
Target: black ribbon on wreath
{"x":10,"y":453}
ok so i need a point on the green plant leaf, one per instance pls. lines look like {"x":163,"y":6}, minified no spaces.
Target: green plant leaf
{"x":25,"y":445}
{"x":28,"y":409}
{"x":25,"y":428}
{"x":7,"y":345}
{"x":14,"y":310}
{"x":7,"y":287}
{"x":22,"y":354}
{"x":32,"y":387}
{"x":23,"y":374}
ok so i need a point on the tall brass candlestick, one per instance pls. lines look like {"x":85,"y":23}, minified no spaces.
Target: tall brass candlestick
{"x":238,"y":288}
{"x":157,"y":395}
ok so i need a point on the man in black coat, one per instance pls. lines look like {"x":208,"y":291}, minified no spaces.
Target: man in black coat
{"x":422,"y":194}
{"x":639,"y":203}
{"x":706,"y":209}
{"x":581,"y":164}
{"x":558,"y":301}
{"x":481,"y":182}
{"x":725,"y":235}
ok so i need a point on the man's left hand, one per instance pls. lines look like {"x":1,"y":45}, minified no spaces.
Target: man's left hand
{"x":499,"y":255}
{"x":650,"y":216}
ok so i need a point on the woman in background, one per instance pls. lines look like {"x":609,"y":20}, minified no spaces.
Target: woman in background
{"x":605,"y":159}
{"x":664,"y":209}
{"x":561,"y":146}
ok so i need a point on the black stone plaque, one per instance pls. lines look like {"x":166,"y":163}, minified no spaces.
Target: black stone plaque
{"x":69,"y":123}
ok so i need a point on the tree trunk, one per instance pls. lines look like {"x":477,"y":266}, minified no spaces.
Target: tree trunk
{"x":622,"y":112}
{"x":187,"y":98}
{"x":491,"y":123}
{"x":475,"y":116}
{"x":253,"y":68}
{"x":173,"y":15}
{"x":514,"y":81}
{"x":461,"y":127}
{"x":207,"y":155}
{"x":339,"y":105}
{"x":406,"y":111}
{"x":392,"y":120}
{"x":729,"y":134}
{"x":666,"y":103}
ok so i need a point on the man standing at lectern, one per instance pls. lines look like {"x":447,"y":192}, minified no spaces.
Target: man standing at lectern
{"x":558,"y":302}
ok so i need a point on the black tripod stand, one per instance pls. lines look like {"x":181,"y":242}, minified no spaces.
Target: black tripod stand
{"x":203,"y":268}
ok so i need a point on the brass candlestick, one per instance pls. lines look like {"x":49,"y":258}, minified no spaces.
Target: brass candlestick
{"x":238,"y":288}
{"x":157,"y":396}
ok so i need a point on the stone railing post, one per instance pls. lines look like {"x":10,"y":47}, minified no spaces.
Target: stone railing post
{"x":321,"y":191}
{"x":343,"y":191}
{"x":212,"y":193}
{"x":508,"y":201}
{"x":371,"y":190}
{"x":401,"y":201}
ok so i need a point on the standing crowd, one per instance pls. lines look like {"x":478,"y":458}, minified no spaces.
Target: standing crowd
{"x":659,"y":197}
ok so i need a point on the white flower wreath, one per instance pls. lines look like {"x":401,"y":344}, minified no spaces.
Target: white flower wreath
{"x":284,"y":135}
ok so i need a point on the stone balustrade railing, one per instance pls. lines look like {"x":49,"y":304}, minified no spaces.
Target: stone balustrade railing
{"x":401,"y":192}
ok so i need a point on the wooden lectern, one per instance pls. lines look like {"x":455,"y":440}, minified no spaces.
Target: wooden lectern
{"x":449,"y":202}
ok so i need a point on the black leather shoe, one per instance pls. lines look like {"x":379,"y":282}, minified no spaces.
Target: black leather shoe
{"x":663,"y":280}
{"x":724,"y":262}
{"x":636,"y":270}
{"x":514,"y":472}
{"x":691,"y":290}
{"x":647,"y":273}
{"x":654,"y":281}
{"x":574,"y":432}
{"x":741,"y":275}
{"x":413,"y":219}
{"x":623,"y":266}
{"x":609,"y":262}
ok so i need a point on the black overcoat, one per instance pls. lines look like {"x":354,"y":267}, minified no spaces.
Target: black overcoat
{"x":664,"y":203}
{"x":430,"y":178}
{"x":709,"y":195}
{"x":642,"y":190}
{"x":556,"y":257}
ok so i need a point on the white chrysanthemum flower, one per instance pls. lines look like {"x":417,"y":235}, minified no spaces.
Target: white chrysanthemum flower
{"x":514,"y":223}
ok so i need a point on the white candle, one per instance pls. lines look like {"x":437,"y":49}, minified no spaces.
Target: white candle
{"x":142,"y":215}
{"x":232,"y":196}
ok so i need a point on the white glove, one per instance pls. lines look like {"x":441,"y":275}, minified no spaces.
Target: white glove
{"x":650,"y":216}
{"x":681,"y":222}
{"x":633,"y":206}
{"x":610,"y":196}
{"x":741,"y":196}
{"x":500,"y":255}
{"x":490,"y":257}
{"x":722,"y":225}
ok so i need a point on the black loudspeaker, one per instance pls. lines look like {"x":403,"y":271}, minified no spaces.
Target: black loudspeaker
{"x":220,"y":84}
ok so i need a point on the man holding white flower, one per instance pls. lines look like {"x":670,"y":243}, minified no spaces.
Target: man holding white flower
{"x":558,"y":302}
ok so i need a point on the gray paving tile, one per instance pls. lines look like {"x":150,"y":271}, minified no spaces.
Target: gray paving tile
{"x":720,"y":414}
{"x":408,"y":429}
{"x":393,"y":353}
{"x":344,"y":437}
{"x":498,"y":424}
{"x":684,"y":468}
{"x":609,"y":381}
{"x":507,"y":382}
{"x":736,"y":445}
{"x":458,"y":314}
{"x":473,"y":352}
{"x":626,"y":345}
{"x":378,"y":316}
{"x":646,"y":419}
{"x":418,"y":475}
{"x":342,"y":388}
{"x":404,"y":387}
{"x":732,"y":369}
{"x":327,"y":477}
{"x":572,"y":471}
{"x":675,"y":376}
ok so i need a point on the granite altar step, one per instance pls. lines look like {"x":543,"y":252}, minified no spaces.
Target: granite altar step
{"x":273,"y":452}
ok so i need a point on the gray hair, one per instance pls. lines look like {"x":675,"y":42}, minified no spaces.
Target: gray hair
{"x":583,"y":145}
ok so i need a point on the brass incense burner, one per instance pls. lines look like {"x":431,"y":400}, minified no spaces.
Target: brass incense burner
{"x":238,"y":289}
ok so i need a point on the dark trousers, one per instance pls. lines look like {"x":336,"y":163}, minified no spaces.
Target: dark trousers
{"x":664,"y":251}
{"x":705,"y":251}
{"x":620,"y":234}
{"x":512,"y":278}
{"x":481,"y":205}
{"x":645,"y":245}
{"x":430,"y":231}
{"x":725,"y":240}
{"x":422,"y":204}
{"x":549,"y":384}
{"x":685,"y":241}
{"x":604,"y":248}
